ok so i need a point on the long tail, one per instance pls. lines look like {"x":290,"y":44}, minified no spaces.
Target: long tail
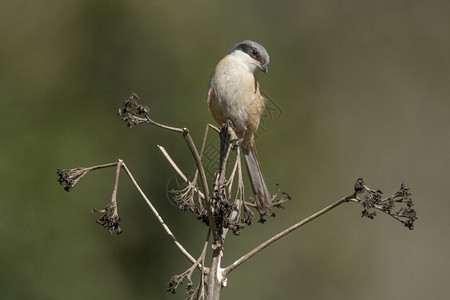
{"x":263,"y":198}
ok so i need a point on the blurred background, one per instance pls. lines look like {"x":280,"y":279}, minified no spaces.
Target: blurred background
{"x":358,"y":88}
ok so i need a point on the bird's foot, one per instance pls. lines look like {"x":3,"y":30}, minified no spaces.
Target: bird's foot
{"x":237,"y":142}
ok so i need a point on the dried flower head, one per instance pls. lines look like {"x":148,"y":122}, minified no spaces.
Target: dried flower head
{"x":109,"y":219}
{"x":373,"y":200}
{"x":176,"y":280}
{"x":69,"y":177}
{"x":133,"y":112}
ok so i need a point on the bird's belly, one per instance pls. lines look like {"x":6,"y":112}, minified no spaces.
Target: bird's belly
{"x":231,"y":105}
{"x":236,"y":97}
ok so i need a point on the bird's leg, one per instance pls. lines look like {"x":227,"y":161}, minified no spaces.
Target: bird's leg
{"x":237,"y":142}
{"x":230,"y":138}
{"x":228,"y":124}
{"x":225,"y":138}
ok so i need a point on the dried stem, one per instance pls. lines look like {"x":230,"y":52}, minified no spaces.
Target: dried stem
{"x":116,"y":186}
{"x":222,"y":213}
{"x":204,"y":182}
{"x":70,"y":177}
{"x":176,"y":280}
{"x":278,"y":236}
{"x":131,"y":113}
{"x":155,"y":212}
{"x":111,"y":220}
{"x":177,"y":169}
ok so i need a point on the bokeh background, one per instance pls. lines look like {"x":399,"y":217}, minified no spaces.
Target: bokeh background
{"x":363,"y":89}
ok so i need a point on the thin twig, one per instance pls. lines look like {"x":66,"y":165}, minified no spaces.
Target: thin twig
{"x":278,"y":236}
{"x":202,"y":149}
{"x":114,"y":192}
{"x":176,"y":280}
{"x":131,"y":113}
{"x":175,"y":129}
{"x":232,"y":175}
{"x":70,"y":177}
{"x":102,"y":166}
{"x":234,"y":216}
{"x":174,"y":165}
{"x":116,"y":185}
{"x":205,"y":248}
{"x":160,"y":219}
{"x":110,"y":214}
{"x":202,"y":262}
{"x":204,"y":182}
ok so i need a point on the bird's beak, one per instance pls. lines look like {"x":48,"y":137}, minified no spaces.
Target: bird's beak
{"x":264,"y":68}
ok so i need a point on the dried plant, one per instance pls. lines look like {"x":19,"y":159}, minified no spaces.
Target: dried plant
{"x":225,"y":208}
{"x":373,"y":200}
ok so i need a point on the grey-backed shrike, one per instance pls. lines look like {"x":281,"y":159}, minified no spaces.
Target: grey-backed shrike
{"x":233,"y":93}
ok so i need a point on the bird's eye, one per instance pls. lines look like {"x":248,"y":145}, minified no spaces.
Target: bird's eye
{"x":254,"y":52}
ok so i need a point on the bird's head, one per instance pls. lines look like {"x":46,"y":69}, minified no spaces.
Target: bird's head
{"x":253,"y":54}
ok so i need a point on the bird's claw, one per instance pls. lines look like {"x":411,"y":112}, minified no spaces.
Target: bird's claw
{"x":236,"y":143}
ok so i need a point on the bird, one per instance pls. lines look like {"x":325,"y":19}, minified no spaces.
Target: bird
{"x":234,"y":95}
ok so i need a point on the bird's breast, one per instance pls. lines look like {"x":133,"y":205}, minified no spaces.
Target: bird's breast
{"x":235,"y":95}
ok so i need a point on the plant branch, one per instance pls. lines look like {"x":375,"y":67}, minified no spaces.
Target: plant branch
{"x":177,"y":169}
{"x":176,"y":280}
{"x":70,"y":177}
{"x":278,"y":236}
{"x":219,"y":210}
{"x":155,"y":212}
{"x":372,"y":200}
{"x":130,"y":114}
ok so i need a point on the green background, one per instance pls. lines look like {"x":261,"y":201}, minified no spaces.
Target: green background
{"x":363,"y":90}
